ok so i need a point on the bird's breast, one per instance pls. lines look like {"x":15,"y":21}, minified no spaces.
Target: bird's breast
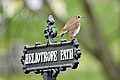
{"x":76,"y":31}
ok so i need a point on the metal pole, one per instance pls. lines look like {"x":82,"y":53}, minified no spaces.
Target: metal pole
{"x":50,"y":74}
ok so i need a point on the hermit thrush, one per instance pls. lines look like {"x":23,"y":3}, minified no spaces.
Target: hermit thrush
{"x":72,"y":27}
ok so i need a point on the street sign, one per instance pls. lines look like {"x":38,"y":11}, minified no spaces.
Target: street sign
{"x":55,"y":55}
{"x":52,"y":56}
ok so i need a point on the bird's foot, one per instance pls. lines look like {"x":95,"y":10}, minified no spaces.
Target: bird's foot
{"x":71,"y":38}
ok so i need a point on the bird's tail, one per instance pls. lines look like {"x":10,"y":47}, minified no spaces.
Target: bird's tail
{"x":59,"y":35}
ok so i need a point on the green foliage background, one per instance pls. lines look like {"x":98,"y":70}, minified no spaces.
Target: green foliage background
{"x":30,"y":27}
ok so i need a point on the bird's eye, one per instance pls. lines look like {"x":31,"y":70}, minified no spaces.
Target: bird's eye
{"x":78,"y":16}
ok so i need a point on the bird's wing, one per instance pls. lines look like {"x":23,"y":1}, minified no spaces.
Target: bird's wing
{"x":72,"y":26}
{"x":69,"y":23}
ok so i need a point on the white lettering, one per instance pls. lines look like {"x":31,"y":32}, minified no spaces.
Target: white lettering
{"x":66,"y":54}
{"x":62,"y":53}
{"x":55,"y":56}
{"x":71,"y":54}
{"x":50,"y":56}
{"x":41,"y":57}
{"x":26,"y":58}
{"x":29,"y":58}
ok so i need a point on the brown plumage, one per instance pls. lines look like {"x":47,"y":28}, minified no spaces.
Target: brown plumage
{"x":72,"y":27}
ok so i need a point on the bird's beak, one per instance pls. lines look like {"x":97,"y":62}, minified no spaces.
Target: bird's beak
{"x":82,"y":16}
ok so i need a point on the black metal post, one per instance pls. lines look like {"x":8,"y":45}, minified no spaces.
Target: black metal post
{"x":50,"y":74}
{"x":47,"y":75}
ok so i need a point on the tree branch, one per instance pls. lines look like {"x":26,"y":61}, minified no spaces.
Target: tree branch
{"x":103,"y":51}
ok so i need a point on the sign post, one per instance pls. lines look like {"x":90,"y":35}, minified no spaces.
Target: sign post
{"x":51,"y":57}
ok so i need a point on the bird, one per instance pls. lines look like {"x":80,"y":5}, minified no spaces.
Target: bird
{"x":72,"y":27}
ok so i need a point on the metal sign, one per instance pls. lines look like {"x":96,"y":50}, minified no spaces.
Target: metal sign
{"x":49,"y":57}
{"x":52,"y":54}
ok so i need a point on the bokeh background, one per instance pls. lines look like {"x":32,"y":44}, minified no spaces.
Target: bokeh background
{"x":24,"y":21}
